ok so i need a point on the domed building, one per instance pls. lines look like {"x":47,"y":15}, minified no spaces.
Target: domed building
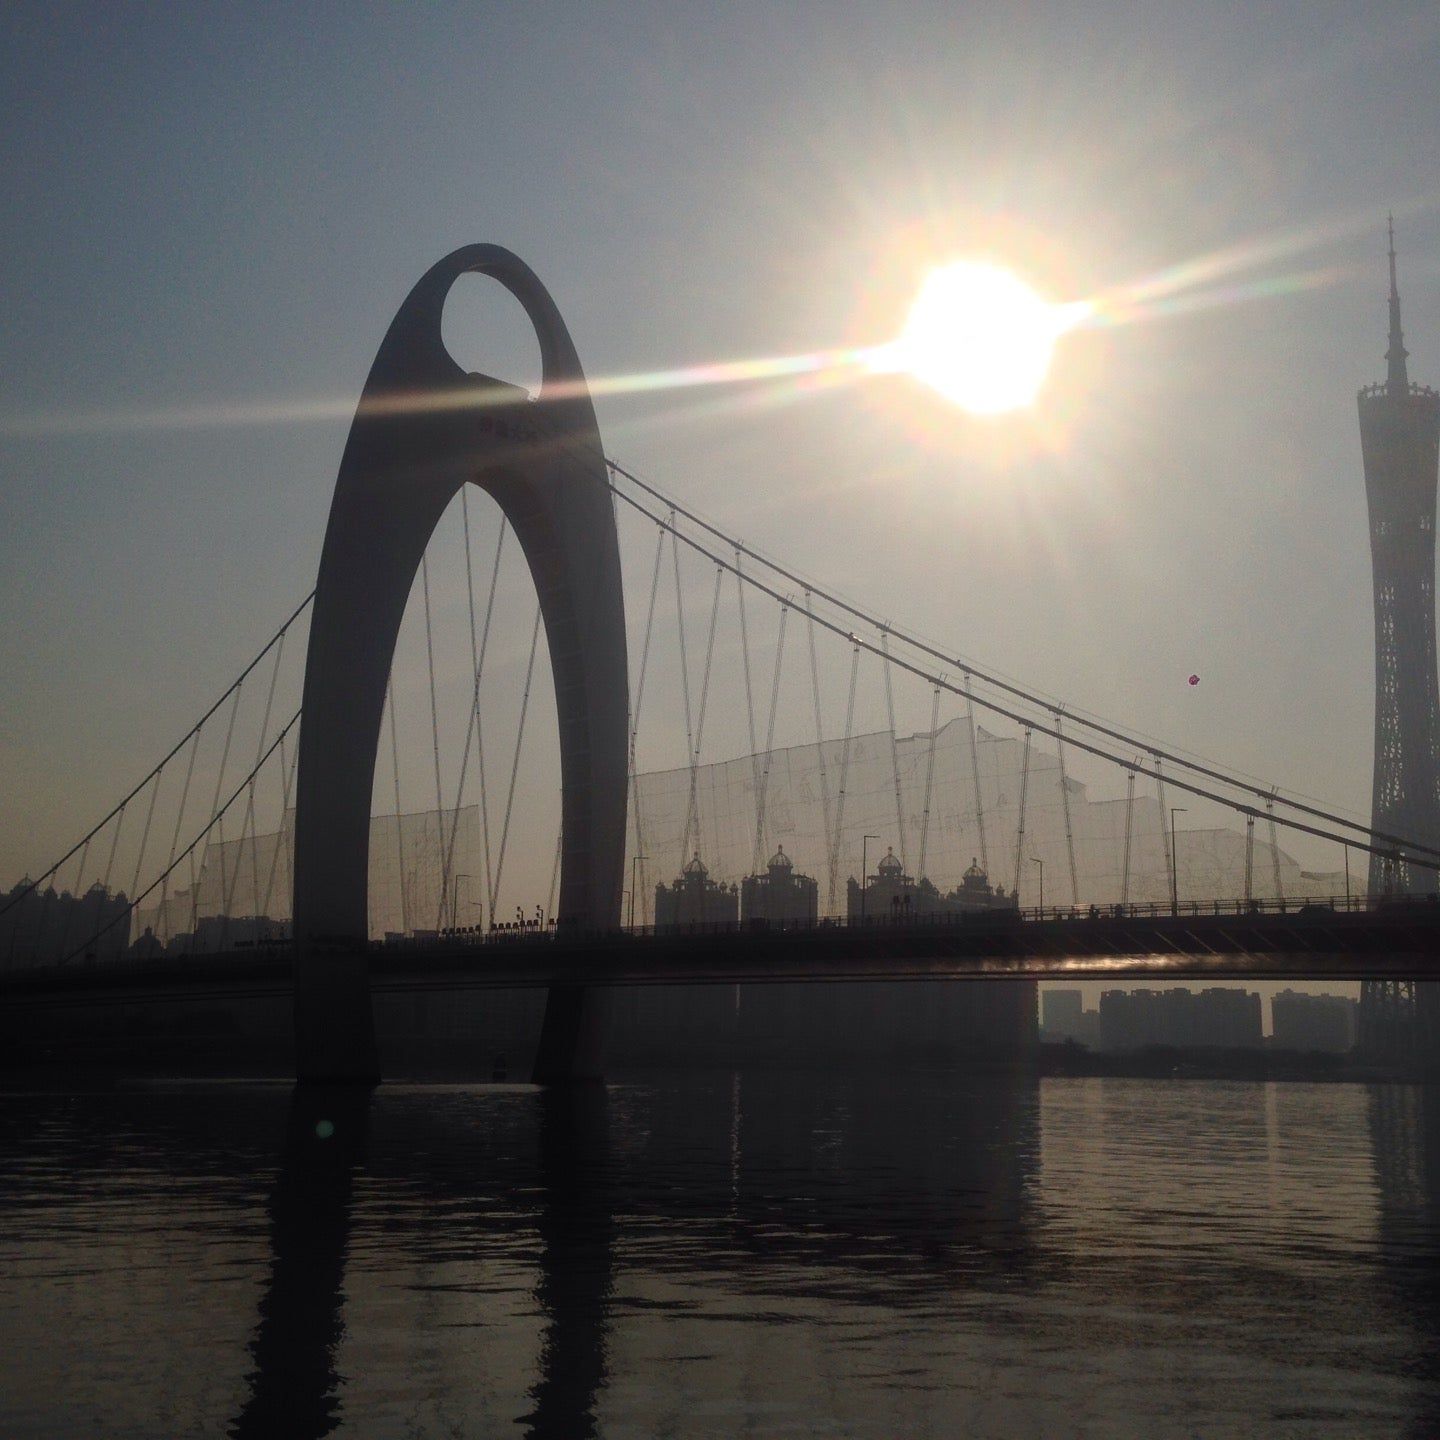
{"x":693,"y":898}
{"x":974,"y":893}
{"x":780,"y":894}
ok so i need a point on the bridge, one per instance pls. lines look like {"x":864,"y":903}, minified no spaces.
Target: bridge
{"x":294,"y":898}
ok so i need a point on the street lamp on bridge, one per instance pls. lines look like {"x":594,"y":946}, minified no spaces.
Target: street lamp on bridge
{"x":455,"y":899}
{"x":864,"y":869}
{"x":634,"y":861}
{"x":1036,"y":860}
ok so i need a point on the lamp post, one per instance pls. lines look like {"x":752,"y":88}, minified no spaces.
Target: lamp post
{"x":634,"y":861}
{"x":1036,"y":860}
{"x":1175,"y":861}
{"x":864,"y":869}
{"x":455,"y":899}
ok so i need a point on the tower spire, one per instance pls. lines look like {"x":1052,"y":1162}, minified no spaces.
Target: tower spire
{"x":1397,"y":382}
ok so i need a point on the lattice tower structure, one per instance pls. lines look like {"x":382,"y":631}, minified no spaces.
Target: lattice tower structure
{"x":1400,"y":444}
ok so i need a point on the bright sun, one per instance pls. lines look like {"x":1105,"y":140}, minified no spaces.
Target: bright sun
{"x":980,"y":336}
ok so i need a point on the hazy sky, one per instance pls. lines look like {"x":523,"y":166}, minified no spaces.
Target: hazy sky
{"x":224,"y":205}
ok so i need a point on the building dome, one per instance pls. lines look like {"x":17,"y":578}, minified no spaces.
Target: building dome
{"x":890,"y":865}
{"x":975,"y":873}
{"x":695,"y":867}
{"x":780,"y":860}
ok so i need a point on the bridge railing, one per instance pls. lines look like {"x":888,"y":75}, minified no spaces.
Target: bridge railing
{"x":275,"y":953}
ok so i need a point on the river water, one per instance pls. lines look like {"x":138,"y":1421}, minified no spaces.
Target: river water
{"x":722,"y":1255}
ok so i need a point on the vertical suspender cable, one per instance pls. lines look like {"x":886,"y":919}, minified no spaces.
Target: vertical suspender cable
{"x":929,"y":783}
{"x":819,"y":734}
{"x":175,"y":840}
{"x":555,"y":875}
{"x":749,"y":692}
{"x":515,"y":764}
{"x":399,"y":821}
{"x":474,"y":725}
{"x":637,"y":821}
{"x":1020,"y":828}
{"x":287,"y":781}
{"x":76,"y":893}
{"x":248,"y":826}
{"x":769,"y":744}
{"x":684,"y":690}
{"x":894,"y":752}
{"x":219,"y":819}
{"x":844,"y":780}
{"x":114,"y":846}
{"x":975,"y":775}
{"x":1129,"y":815}
{"x":692,"y":819}
{"x":1275,"y":851}
{"x":1065,"y":802}
{"x":434,"y":731}
{"x":145,"y":834}
{"x":1164,"y":828}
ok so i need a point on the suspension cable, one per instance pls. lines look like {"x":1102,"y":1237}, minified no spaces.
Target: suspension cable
{"x":17,"y":897}
{"x":1020,"y":828}
{"x":1129,"y":817}
{"x":975,"y":775}
{"x":894,"y":747}
{"x":690,"y":756}
{"x":215,"y":800}
{"x":1190,"y":787}
{"x":760,"y":799}
{"x":1065,"y":802}
{"x":929,"y":783}
{"x":555,"y":869}
{"x":175,"y":838}
{"x":640,"y":857}
{"x":1164,"y":828}
{"x":692,"y":818}
{"x":749,"y":691}
{"x":473,"y":725}
{"x":1275,"y":853}
{"x":434,"y":734}
{"x":287,"y":782}
{"x":844,"y":780}
{"x":145,"y":833}
{"x":819,"y":728}
{"x":1018,"y":692}
{"x":515,"y":766}
{"x":209,"y":825}
{"x":399,"y":821}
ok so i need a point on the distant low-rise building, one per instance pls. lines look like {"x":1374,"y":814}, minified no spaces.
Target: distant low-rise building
{"x":891,"y":894}
{"x":1313,"y":1022}
{"x":780,"y":894}
{"x":45,"y":927}
{"x":1217,"y":1017}
{"x":693,"y":898}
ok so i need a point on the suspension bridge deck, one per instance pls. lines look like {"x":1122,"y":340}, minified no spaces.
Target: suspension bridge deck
{"x":1317,"y":942}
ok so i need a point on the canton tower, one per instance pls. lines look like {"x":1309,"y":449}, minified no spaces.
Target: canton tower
{"x":1399,"y":435}
{"x":1399,"y":438}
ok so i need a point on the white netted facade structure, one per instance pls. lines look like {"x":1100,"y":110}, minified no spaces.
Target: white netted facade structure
{"x":411,"y":886}
{"x":941,"y":801}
